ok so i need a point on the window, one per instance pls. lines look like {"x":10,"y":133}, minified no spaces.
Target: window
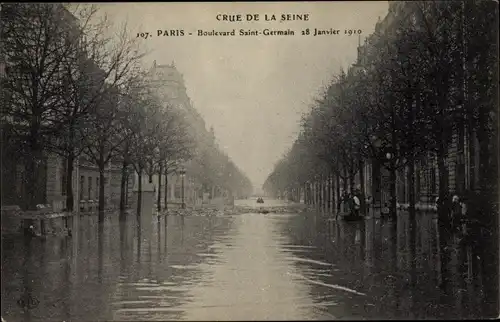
{"x":177,"y":192}
{"x":169,"y":191}
{"x":90,"y":188}
{"x":82,"y":185}
{"x":97,"y":190}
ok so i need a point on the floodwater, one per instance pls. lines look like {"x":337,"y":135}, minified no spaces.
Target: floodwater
{"x":244,"y":267}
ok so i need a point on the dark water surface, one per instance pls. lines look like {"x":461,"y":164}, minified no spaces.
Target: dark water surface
{"x":245,"y":267}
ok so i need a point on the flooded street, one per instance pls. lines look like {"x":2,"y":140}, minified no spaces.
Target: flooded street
{"x":245,"y":267}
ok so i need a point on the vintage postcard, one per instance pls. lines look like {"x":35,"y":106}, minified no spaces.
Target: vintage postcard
{"x":249,"y":160}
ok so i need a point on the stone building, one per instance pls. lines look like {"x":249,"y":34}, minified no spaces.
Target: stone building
{"x":86,"y":184}
{"x":169,"y":85}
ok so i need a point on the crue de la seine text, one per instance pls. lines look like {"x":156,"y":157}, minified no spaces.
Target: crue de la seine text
{"x":254,"y":17}
{"x":266,"y":17}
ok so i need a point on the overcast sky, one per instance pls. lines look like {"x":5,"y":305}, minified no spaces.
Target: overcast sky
{"x":253,"y":89}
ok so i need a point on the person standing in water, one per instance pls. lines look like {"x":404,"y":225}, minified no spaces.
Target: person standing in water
{"x":356,"y":205}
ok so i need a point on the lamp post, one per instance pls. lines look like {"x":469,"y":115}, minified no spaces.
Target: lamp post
{"x":182,"y":172}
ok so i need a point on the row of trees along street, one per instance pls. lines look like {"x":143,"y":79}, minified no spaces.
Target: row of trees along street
{"x":430,"y":76}
{"x":74,"y":86}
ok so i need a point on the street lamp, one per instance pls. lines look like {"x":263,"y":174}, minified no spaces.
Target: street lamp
{"x":182,"y":172}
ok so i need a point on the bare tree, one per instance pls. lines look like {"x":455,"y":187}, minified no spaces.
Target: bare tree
{"x":144,"y":135}
{"x":103,"y":135}
{"x":174,"y":143}
{"x":36,"y":41}
{"x":101,"y":62}
{"x":61,"y":59}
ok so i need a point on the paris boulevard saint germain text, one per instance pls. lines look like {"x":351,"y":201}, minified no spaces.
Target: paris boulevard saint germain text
{"x":280,"y":32}
{"x":247,"y":32}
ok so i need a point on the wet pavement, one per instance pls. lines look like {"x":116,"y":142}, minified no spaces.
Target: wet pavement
{"x":244,"y":267}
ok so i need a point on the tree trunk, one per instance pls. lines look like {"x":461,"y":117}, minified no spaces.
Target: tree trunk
{"x":328,"y":193}
{"x":351,"y":182}
{"x":443,"y":217}
{"x":316,"y":192}
{"x":306,"y":193}
{"x":166,"y":189}
{"x":344,"y":179}
{"x":309,"y":193}
{"x":159,"y":187}
{"x":327,"y":196}
{"x":314,"y":195}
{"x":362,"y":187}
{"x":337,"y":188}
{"x":320,"y":193}
{"x":123,"y":185}
{"x":139,"y":192}
{"x":325,"y":193}
{"x":151,"y":171}
{"x":411,"y":186}
{"x":332,"y":193}
{"x":392,"y":189}
{"x":443,"y":187}
{"x":33,"y":170}
{"x":101,"y":190}
{"x":70,"y":163}
{"x":472,"y":158}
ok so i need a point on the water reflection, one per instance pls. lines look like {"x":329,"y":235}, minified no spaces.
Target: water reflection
{"x":252,"y":266}
{"x":399,"y":266}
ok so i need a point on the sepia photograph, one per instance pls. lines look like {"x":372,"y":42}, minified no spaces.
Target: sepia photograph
{"x":247,"y":161}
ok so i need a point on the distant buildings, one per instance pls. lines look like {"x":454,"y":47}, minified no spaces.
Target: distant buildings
{"x":169,"y":85}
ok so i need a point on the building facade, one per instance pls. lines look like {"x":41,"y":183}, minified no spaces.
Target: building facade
{"x":169,"y":85}
{"x":463,"y":151}
{"x":462,"y":156}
